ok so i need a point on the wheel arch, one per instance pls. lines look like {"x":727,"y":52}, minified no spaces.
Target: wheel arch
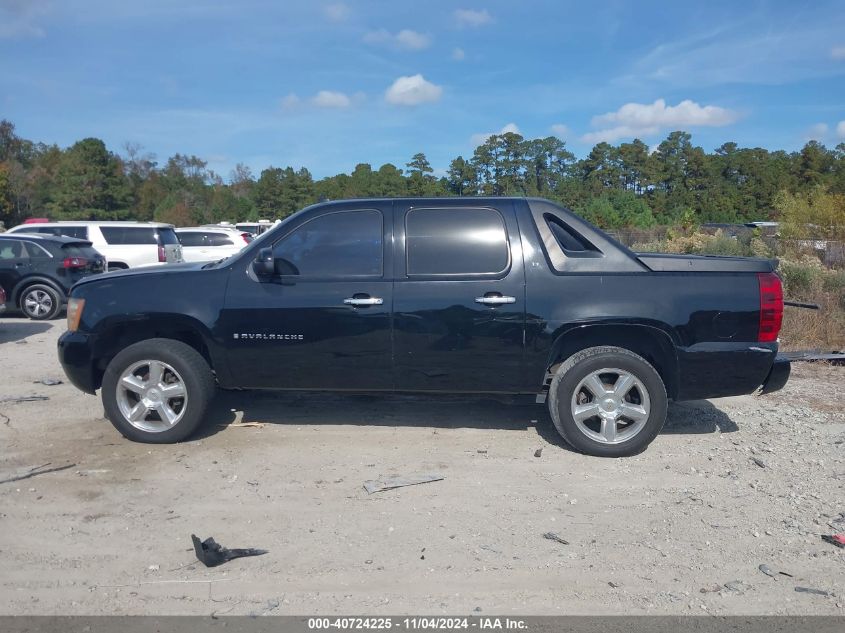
{"x":117,"y":336}
{"x":33,"y":280}
{"x":650,"y":341}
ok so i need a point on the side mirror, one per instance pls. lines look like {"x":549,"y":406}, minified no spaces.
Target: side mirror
{"x":264,"y":265}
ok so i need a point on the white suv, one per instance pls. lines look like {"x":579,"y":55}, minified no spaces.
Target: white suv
{"x":211,"y":242}
{"x":124,"y":244}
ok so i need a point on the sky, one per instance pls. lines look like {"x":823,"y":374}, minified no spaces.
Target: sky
{"x":329,"y":84}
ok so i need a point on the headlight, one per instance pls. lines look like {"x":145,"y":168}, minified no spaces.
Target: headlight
{"x":74,"y":313}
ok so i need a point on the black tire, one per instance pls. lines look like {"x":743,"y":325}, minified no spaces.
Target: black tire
{"x":195,"y":375}
{"x":579,"y":366}
{"x":40,"y":302}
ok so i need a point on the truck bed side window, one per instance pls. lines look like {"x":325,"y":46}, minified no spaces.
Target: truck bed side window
{"x":456,"y":241}
{"x":341,"y":244}
{"x":569,"y":240}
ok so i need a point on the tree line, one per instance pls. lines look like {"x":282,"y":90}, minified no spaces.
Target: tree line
{"x":614,"y":186}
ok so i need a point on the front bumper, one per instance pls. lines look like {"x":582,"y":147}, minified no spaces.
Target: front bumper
{"x":778,"y":375}
{"x":76,"y":356}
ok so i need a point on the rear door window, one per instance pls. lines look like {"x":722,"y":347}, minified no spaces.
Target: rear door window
{"x":219,"y":239}
{"x":129,"y":234}
{"x":36,"y":251}
{"x":191,"y":238}
{"x":456,"y":242}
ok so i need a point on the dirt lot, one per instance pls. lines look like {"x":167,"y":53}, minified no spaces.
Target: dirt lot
{"x":663,"y":532}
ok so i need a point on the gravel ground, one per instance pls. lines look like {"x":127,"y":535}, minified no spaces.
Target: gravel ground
{"x":682,"y":528}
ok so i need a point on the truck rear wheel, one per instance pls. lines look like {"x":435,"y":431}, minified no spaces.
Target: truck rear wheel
{"x":157,"y":391}
{"x":607,"y":402}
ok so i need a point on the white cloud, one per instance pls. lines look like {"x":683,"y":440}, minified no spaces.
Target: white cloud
{"x":472,"y":17}
{"x":404,"y":39}
{"x":644,"y":119}
{"x":323,"y":99}
{"x":817,"y":132}
{"x":331,"y":99}
{"x":337,"y":12}
{"x":560,"y":130}
{"x":481,"y":137}
{"x":290,"y":101}
{"x":412,"y":90}
{"x":840,"y":129}
{"x":458,"y":54}
{"x":837,"y":52}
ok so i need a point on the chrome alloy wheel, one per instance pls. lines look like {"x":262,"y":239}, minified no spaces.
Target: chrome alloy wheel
{"x":610,"y":406}
{"x":37,"y":303}
{"x":152,"y":396}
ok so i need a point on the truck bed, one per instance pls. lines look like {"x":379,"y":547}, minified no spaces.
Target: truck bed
{"x":661,"y":262}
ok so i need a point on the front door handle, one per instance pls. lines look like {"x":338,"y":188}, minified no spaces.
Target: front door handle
{"x":495,"y":300}
{"x":363,"y":301}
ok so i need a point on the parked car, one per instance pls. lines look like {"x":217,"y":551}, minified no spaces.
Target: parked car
{"x":211,"y":242}
{"x":37,"y":271}
{"x":124,"y":244}
{"x":255,"y":228}
{"x":466,"y":295}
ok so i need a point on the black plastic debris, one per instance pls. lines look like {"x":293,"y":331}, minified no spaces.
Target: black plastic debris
{"x":554,"y":537}
{"x":210,"y":553}
{"x":817,"y":592}
{"x":538,"y":452}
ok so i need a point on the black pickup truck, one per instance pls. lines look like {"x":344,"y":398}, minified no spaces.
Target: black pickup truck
{"x":461,"y":295}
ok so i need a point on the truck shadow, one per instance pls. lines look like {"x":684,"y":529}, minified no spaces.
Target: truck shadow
{"x":697,"y":416}
{"x":14,"y":330}
{"x":515,"y":413}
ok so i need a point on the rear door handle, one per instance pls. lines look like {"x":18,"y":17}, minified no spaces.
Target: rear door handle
{"x":363,"y":301}
{"x":495,"y":301}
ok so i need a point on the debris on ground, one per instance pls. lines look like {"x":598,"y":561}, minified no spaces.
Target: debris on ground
{"x":19,"y":399}
{"x":538,"y":452}
{"x":50,"y":382}
{"x":35,"y":471}
{"x":613,"y":585}
{"x":399,"y":481}
{"x":771,"y":572}
{"x":210,"y":553}
{"x":555,"y":537}
{"x":241,"y":425}
{"x":836,"y":539}
{"x":737,"y":585}
{"x":481,"y":451}
{"x":759,"y":462}
{"x":713,"y":589}
{"x":817,"y":592}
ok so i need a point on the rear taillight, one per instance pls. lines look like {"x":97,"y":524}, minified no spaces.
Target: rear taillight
{"x":162,"y":256}
{"x":246,"y":237}
{"x":74,"y":262}
{"x":771,"y":307}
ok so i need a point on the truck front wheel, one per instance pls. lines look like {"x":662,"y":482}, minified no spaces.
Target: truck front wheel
{"x":157,"y":391}
{"x":607,"y":402}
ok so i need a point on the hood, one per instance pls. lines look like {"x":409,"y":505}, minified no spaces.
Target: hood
{"x":153,"y":270}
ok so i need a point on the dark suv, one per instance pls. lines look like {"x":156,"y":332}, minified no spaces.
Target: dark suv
{"x":37,"y":271}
